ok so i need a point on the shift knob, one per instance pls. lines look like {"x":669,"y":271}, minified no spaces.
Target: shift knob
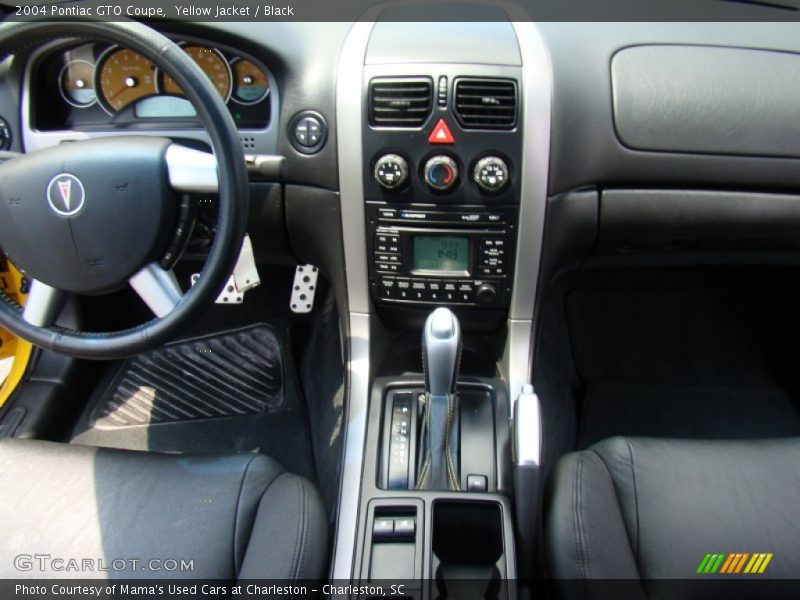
{"x":441,"y":351}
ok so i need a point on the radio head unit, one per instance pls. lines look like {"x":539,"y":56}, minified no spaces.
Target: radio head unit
{"x":440,"y":256}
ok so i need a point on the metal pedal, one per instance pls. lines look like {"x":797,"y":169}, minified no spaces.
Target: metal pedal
{"x":303,"y":289}
{"x":244,"y":277}
{"x":230,"y":295}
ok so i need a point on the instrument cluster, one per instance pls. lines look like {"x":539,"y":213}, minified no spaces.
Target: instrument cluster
{"x":96,"y":84}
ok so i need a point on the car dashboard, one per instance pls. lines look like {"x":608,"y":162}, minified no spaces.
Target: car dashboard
{"x":470,"y":169}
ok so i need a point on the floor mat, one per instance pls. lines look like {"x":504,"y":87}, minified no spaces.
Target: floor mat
{"x":687,"y":411}
{"x":233,"y":391}
{"x":225,"y":375}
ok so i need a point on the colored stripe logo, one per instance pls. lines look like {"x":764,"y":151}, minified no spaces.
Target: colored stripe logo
{"x":735,"y":563}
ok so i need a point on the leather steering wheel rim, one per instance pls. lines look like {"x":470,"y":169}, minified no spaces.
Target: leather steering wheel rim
{"x":232,"y":188}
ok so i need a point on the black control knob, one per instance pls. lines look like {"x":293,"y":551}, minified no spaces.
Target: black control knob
{"x":486,"y":293}
{"x":491,"y":173}
{"x":391,"y":171}
{"x":441,"y":173}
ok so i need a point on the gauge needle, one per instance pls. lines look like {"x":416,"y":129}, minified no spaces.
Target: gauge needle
{"x":117,"y":93}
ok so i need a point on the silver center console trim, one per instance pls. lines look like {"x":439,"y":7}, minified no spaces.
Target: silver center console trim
{"x":537,"y":91}
{"x":351,"y":193}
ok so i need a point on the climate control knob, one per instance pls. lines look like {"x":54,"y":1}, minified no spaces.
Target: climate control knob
{"x":391,"y":171}
{"x":441,"y":173}
{"x":491,"y":173}
{"x":486,"y":293}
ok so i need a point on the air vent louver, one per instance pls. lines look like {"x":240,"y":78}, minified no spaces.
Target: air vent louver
{"x":400,"y":102}
{"x":486,"y":103}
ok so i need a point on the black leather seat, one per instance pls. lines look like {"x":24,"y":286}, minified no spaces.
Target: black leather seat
{"x":238,"y":516}
{"x":650,"y":509}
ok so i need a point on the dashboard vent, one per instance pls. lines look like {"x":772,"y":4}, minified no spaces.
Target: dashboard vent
{"x":486,"y":103}
{"x":400,"y":102}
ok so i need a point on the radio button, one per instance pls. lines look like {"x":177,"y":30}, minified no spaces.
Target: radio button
{"x":495,"y":242}
{"x":450,"y":290}
{"x":387,"y":267}
{"x":492,"y":261}
{"x":387,"y":288}
{"x":403,"y":289}
{"x":493,"y":271}
{"x":465,"y":292}
{"x":492,"y":252}
{"x":419,"y":290}
{"x":436,"y":291}
{"x":387,"y":258}
{"x":486,"y":293}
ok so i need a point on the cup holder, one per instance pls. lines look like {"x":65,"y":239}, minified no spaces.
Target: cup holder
{"x":468,"y":549}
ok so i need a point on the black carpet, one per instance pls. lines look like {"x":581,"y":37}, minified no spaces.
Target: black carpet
{"x":686,"y":355}
{"x":686,"y":411}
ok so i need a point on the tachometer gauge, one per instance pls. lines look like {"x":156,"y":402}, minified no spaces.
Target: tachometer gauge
{"x":125,"y":76}
{"x":76,"y":82}
{"x":213,"y":64}
{"x":250,"y":82}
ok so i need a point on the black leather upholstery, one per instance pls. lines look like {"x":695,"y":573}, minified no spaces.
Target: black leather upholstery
{"x":238,"y":516}
{"x":635,"y":508}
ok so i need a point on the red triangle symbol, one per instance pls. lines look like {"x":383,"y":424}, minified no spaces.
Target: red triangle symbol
{"x":441,"y":134}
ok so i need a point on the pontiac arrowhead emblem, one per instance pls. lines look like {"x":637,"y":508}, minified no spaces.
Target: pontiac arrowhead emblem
{"x":65,"y":194}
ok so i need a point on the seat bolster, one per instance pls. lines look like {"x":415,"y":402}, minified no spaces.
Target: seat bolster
{"x":259,"y":473}
{"x":289,"y":535}
{"x":584,"y":528}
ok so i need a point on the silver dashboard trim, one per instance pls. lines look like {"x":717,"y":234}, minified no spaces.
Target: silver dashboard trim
{"x":537,"y":91}
{"x":349,"y":111}
{"x":351,"y":194}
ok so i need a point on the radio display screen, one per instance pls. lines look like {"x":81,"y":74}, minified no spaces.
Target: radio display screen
{"x":441,"y":253}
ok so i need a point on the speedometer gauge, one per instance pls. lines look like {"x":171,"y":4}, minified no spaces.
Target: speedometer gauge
{"x":76,"y":82}
{"x":250,"y":84}
{"x":213,"y":64}
{"x":125,"y":76}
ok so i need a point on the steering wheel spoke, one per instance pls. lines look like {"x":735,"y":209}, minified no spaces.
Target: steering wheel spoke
{"x":191,"y":170}
{"x":158,"y":288}
{"x":43,"y":305}
{"x":104,"y":207}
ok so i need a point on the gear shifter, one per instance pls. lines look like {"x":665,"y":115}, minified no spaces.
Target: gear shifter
{"x":441,"y":357}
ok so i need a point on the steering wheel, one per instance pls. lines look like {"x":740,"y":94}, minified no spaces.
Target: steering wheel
{"x":89,"y":216}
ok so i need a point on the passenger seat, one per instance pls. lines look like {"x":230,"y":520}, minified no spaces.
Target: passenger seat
{"x":653,"y":509}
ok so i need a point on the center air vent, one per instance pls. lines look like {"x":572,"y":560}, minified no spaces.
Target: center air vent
{"x":400,"y":102}
{"x":486,"y":103}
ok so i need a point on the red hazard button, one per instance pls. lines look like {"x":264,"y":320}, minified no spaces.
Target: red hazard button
{"x":441,"y":134}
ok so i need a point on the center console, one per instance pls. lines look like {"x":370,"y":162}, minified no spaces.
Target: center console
{"x":442,"y":156}
{"x":442,"y":153}
{"x":443,"y":141}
